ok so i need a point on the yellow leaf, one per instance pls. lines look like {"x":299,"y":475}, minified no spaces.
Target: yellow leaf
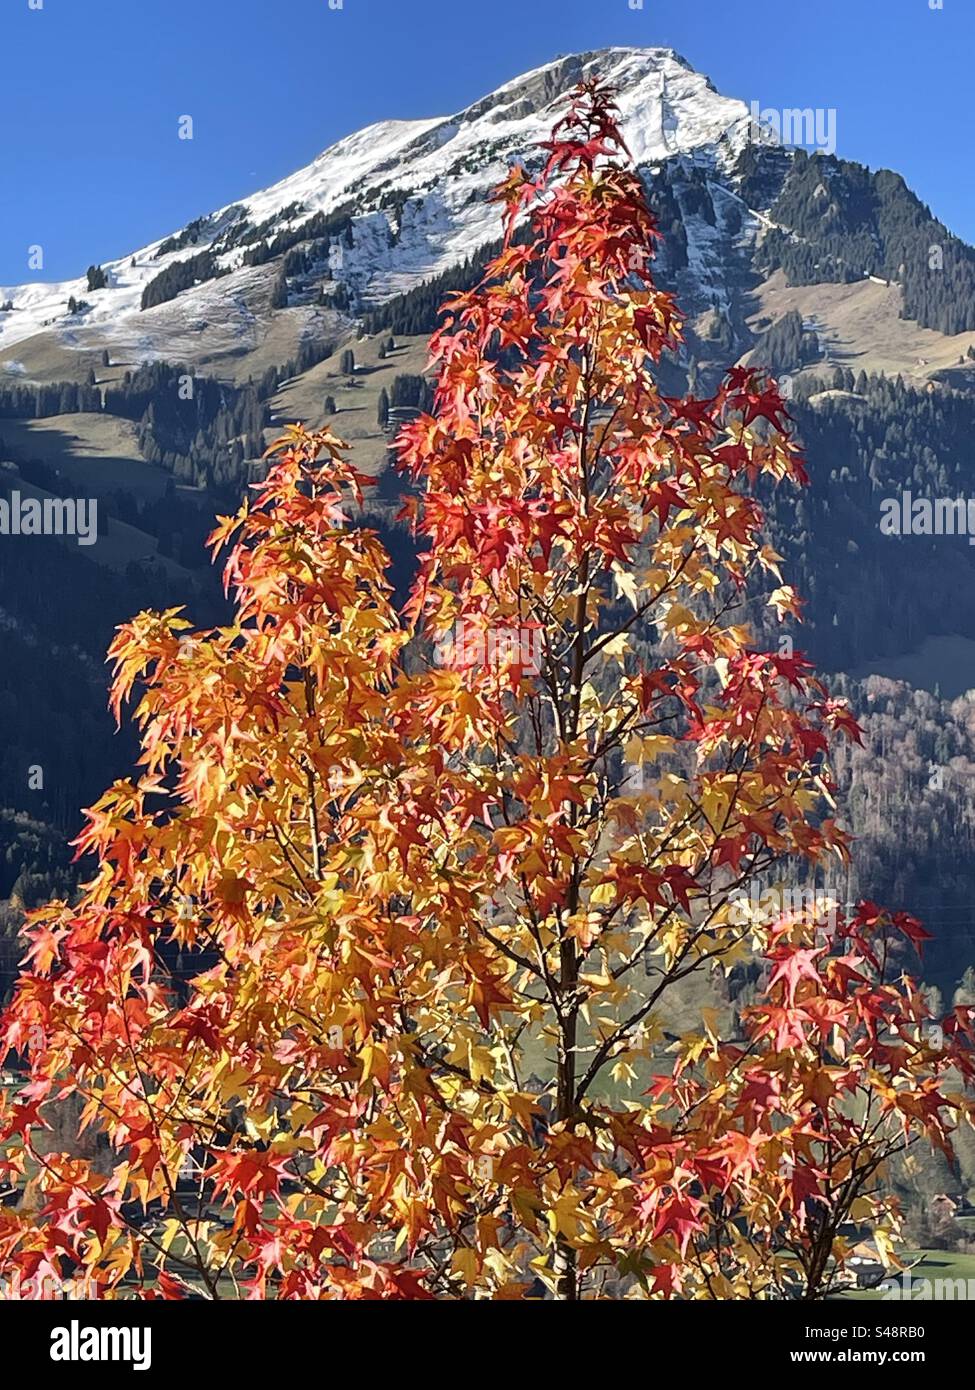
{"x":626,"y":585}
{"x":465,"y":1263}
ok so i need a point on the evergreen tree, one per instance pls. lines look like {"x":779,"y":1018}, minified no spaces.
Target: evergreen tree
{"x":279,"y":294}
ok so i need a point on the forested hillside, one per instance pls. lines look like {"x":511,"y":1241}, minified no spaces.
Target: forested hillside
{"x":837,"y":220}
{"x":870,"y":594}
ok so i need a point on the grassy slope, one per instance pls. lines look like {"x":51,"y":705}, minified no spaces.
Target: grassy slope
{"x":862,"y":328}
{"x":930,"y":1265}
{"x":303,"y":398}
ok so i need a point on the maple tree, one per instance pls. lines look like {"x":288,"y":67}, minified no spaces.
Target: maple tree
{"x":843,"y":1067}
{"x":367,"y":995}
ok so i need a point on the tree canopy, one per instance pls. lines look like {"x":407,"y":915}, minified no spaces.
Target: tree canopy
{"x":367,"y":994}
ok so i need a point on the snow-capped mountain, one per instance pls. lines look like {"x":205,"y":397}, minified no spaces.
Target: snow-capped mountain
{"x":416,"y":195}
{"x":747,"y":225}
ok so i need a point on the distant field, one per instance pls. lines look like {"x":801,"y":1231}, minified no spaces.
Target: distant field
{"x":931,"y":1265}
{"x":99,"y":452}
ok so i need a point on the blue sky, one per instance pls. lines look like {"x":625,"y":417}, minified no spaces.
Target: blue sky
{"x":92,"y":91}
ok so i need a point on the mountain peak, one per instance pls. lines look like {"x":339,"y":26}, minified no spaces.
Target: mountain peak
{"x":666,"y":106}
{"x":415,"y":190}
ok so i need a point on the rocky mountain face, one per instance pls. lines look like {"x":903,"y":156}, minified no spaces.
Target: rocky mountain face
{"x":401,"y":202}
{"x":315,"y":296}
{"x":382,"y":210}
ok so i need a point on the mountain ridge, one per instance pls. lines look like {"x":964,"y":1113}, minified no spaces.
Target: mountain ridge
{"x":433,"y":175}
{"x":398,"y":203}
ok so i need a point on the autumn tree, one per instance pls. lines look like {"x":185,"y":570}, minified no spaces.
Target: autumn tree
{"x":842,"y":1067}
{"x":369,"y":988}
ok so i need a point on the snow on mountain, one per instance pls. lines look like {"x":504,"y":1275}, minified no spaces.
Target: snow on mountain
{"x":416,"y":190}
